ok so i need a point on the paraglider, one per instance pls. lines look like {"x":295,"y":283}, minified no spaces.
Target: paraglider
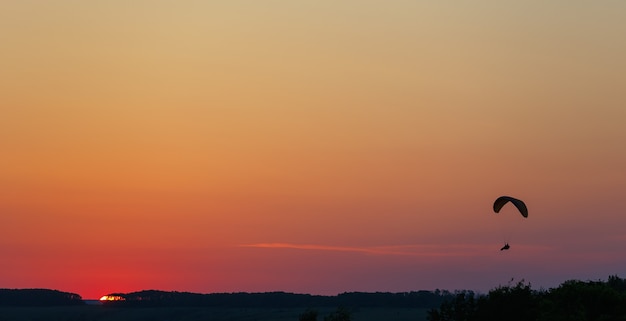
{"x":503,"y":200}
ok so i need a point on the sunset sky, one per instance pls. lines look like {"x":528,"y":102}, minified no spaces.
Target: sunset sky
{"x":310,"y":146}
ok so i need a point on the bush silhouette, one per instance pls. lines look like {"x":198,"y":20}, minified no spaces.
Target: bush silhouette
{"x":341,"y":314}
{"x":572,"y":301}
{"x":308,"y":315}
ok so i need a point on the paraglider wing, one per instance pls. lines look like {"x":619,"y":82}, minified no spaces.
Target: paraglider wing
{"x":502,"y":200}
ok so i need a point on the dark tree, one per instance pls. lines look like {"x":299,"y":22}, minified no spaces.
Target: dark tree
{"x":341,"y":314}
{"x":513,"y":303}
{"x":308,"y":315}
{"x":461,"y":308}
{"x":577,"y":300}
{"x":571,"y":301}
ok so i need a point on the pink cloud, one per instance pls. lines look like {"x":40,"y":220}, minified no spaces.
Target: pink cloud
{"x":422,"y":250}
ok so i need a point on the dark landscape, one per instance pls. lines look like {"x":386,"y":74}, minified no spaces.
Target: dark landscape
{"x":572,"y":300}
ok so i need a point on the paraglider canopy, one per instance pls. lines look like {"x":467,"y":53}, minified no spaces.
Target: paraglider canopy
{"x":502,"y":200}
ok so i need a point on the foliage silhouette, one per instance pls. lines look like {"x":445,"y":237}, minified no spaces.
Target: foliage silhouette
{"x":308,"y":315}
{"x":341,"y":314}
{"x":577,"y":300}
{"x":572,"y":300}
{"x":461,"y":307}
{"x":514,"y":303}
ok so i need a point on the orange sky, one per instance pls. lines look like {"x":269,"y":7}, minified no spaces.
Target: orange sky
{"x":314,"y":147}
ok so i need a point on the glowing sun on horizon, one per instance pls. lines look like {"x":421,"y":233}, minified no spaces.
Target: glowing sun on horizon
{"x":112,"y":298}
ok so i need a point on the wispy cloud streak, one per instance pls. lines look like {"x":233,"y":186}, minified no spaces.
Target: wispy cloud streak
{"x":448,"y":250}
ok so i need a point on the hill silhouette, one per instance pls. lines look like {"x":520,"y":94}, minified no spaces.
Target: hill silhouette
{"x":155,"y":298}
{"x":38,"y":297}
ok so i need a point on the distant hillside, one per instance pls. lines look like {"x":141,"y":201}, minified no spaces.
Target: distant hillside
{"x":38,"y":297}
{"x":152,"y":298}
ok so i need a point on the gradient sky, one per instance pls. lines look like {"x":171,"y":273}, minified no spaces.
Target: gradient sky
{"x":310,"y":146}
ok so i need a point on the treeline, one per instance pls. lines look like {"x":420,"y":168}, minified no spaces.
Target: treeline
{"x":38,"y":297}
{"x":572,"y":300}
{"x":153,"y":298}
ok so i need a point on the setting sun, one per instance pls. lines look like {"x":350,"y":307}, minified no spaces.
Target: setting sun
{"x":112,"y":298}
